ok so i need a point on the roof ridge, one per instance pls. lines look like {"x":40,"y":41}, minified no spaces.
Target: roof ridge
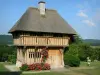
{"x":37,"y":8}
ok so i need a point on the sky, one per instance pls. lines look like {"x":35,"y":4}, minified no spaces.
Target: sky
{"x":82,"y":15}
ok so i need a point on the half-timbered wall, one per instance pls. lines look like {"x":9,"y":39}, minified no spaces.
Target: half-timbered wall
{"x":20,"y":54}
{"x":28,"y":39}
{"x":33,"y":55}
{"x":29,"y":55}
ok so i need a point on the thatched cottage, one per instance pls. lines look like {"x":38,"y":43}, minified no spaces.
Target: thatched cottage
{"x":39,"y":28}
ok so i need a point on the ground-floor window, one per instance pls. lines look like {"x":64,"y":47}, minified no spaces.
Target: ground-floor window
{"x":34,"y":54}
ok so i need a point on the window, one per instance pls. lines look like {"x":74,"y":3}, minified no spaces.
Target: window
{"x":34,"y":55}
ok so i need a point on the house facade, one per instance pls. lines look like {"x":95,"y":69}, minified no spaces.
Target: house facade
{"x":40,"y":28}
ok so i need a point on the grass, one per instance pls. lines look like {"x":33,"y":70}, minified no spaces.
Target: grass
{"x":93,"y":69}
{"x":47,"y":73}
{"x":2,"y":68}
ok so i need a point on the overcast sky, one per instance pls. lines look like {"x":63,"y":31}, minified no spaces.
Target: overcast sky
{"x":82,"y":15}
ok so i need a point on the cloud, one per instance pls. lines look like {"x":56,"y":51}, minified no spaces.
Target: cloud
{"x":82,"y":14}
{"x":85,"y":17}
{"x":88,"y":22}
{"x":87,"y":14}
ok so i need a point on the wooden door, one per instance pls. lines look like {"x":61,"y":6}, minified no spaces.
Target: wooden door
{"x":54,"y":58}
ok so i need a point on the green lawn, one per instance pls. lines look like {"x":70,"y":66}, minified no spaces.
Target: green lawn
{"x":49,"y":73}
{"x":93,"y":69}
{"x":2,"y":68}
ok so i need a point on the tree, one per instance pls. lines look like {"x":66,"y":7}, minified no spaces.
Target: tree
{"x":77,"y":39}
{"x":12,"y":57}
{"x":85,"y":51}
{"x":96,"y":54}
{"x":5,"y":51}
{"x":73,"y":49}
{"x":82,"y":50}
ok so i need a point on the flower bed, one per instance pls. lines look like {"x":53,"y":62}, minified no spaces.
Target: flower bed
{"x":35,"y":67}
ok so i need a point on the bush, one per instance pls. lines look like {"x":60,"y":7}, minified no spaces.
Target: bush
{"x":35,"y":66}
{"x":12,"y":57}
{"x":46,"y":66}
{"x":24,"y":67}
{"x":39,"y":66}
{"x":71,"y":60}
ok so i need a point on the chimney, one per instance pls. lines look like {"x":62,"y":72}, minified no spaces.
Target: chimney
{"x":42,"y":7}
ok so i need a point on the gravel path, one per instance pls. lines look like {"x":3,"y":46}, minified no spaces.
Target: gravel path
{"x":12,"y":68}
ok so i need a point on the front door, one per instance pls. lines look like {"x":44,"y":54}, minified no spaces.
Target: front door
{"x":54,"y":58}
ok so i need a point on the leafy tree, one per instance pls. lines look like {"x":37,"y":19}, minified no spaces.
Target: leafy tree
{"x":85,"y":51}
{"x":12,"y":57}
{"x":73,"y":49}
{"x":80,"y":49}
{"x":71,"y":60}
{"x":77,"y":39}
{"x":71,"y":56}
{"x":96,"y":54}
{"x":5,"y":51}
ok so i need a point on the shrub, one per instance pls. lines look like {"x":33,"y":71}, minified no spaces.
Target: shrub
{"x":35,"y":66}
{"x":39,"y":66}
{"x":24,"y":67}
{"x":71,"y":60}
{"x":46,"y":66}
{"x":12,"y":57}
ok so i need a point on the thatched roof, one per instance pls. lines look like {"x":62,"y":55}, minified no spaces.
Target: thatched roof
{"x":51,"y":22}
